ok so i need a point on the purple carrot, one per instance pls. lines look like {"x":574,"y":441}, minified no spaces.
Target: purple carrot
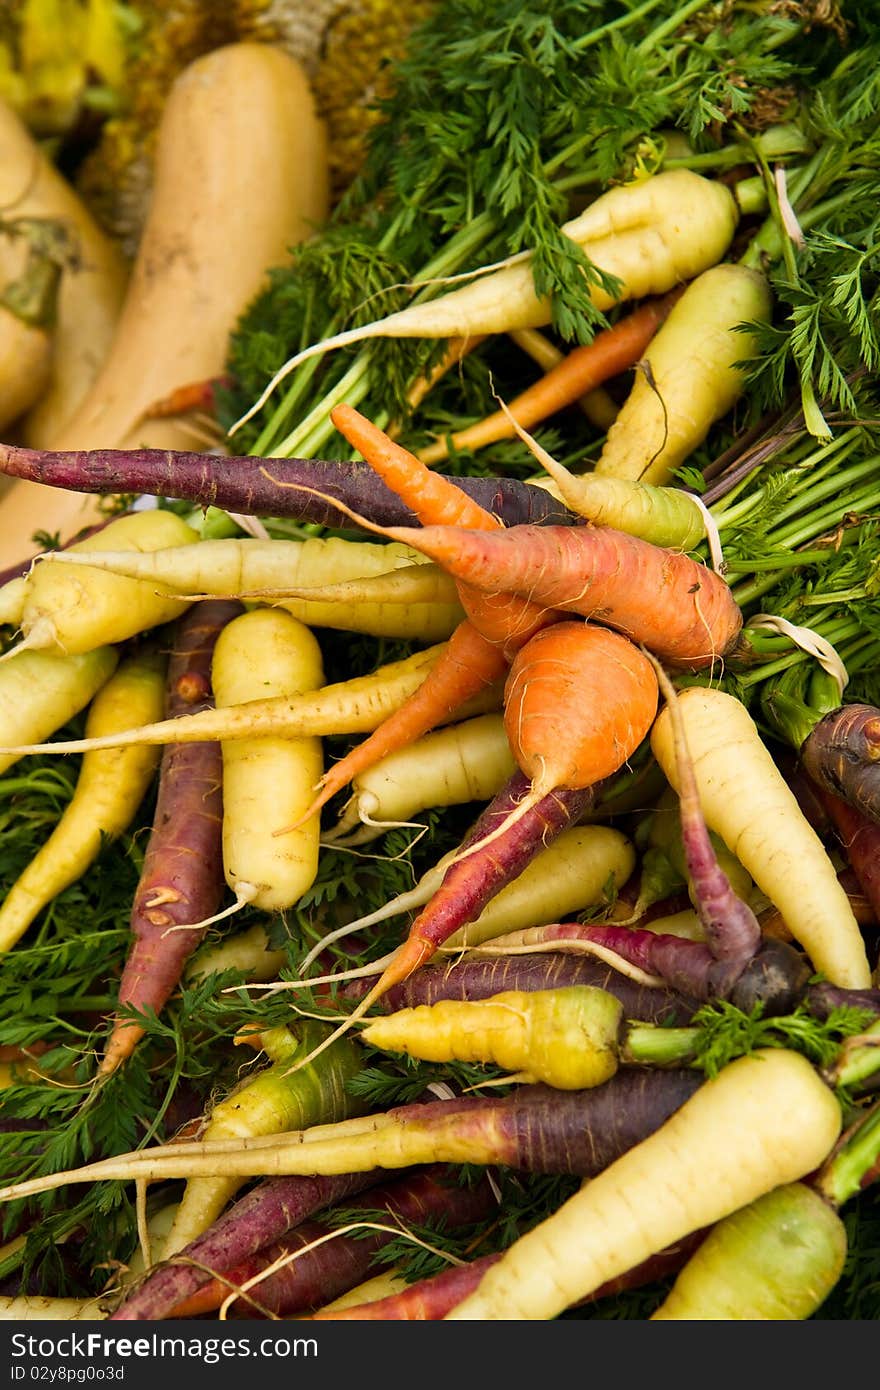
{"x":470,"y":882}
{"x":842,"y":754}
{"x":731,"y":928}
{"x":775,"y":976}
{"x":255,"y":486}
{"x":860,"y":838}
{"x":429,"y":1300}
{"x":479,"y":979}
{"x":266,"y":1213}
{"x":822,"y":998}
{"x":333,"y":1266}
{"x":182,"y":877}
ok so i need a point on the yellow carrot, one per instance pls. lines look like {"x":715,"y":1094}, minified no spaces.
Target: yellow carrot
{"x":109,"y":790}
{"x":268,"y":781}
{"x":649,"y":235}
{"x":75,"y":610}
{"x":691,"y":378}
{"x":567,"y":1038}
{"x":41,"y":691}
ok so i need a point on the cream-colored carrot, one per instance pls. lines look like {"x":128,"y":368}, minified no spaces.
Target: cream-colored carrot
{"x":748,"y":803}
{"x":765,"y":1119}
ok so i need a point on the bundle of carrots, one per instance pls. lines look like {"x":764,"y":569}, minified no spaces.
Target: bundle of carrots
{"x":638,"y":946}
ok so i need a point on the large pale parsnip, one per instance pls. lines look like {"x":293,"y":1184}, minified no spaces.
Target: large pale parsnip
{"x":689,"y":377}
{"x":240,"y":177}
{"x":91,"y":291}
{"x":747,"y":802}
{"x":765,"y":1119}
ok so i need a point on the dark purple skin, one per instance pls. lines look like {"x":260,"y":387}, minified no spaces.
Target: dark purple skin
{"x":470,"y":884}
{"x":481,"y":978}
{"x":542,"y":1130}
{"x":731,"y":928}
{"x":774,"y":976}
{"x":182,"y":877}
{"x":842,"y":754}
{"x":416,"y":1199}
{"x":266,"y":1213}
{"x":255,"y":486}
{"x":822,"y":998}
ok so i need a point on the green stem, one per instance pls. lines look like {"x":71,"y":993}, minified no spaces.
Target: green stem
{"x":857,"y":1064}
{"x":647,"y":1045}
{"x":855,"y":1165}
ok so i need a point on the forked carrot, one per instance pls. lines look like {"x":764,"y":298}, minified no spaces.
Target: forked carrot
{"x":612,"y":351}
{"x":477,"y":652}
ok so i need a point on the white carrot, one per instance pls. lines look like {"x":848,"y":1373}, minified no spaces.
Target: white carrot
{"x":746,"y":801}
{"x":765,"y":1119}
{"x":650,"y":235}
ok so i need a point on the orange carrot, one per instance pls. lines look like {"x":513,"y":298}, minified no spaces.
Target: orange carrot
{"x":194,"y":395}
{"x":477,"y":653}
{"x":679,"y":609}
{"x":611,"y":352}
{"x":503,"y":619}
{"x":578,"y":701}
{"x":467,"y":665}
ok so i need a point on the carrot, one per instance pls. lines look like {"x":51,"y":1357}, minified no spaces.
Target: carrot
{"x":567,"y":1038}
{"x":578,"y":701}
{"x":348,"y":707}
{"x":612,"y":351}
{"x":730,"y":926}
{"x":501,"y":618}
{"x":318,"y":1260}
{"x":471,"y":881}
{"x":270,"y":1102}
{"x":777,"y":1258}
{"x":746,"y":800}
{"x":470,"y":977}
{"x":421,"y":582}
{"x":74,"y":613}
{"x":764,"y":1120}
{"x":666,"y":516}
{"x":471,"y":659}
{"x":265,"y":1213}
{"x":840,"y":753}
{"x":430,"y":1299}
{"x":468,"y":666}
{"x":41,"y":691}
{"x":195,"y":395}
{"x":181,"y":881}
{"x":680,"y":610}
{"x":597,"y":405}
{"x":691,"y":376}
{"x":109,"y":790}
{"x":535,"y":1128}
{"x":466,"y":761}
{"x":579,"y":868}
{"x":245,"y":486}
{"x":268,"y":651}
{"x":773,"y":977}
{"x":649,"y":235}
{"x":250,"y":568}
{"x":860,"y":837}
